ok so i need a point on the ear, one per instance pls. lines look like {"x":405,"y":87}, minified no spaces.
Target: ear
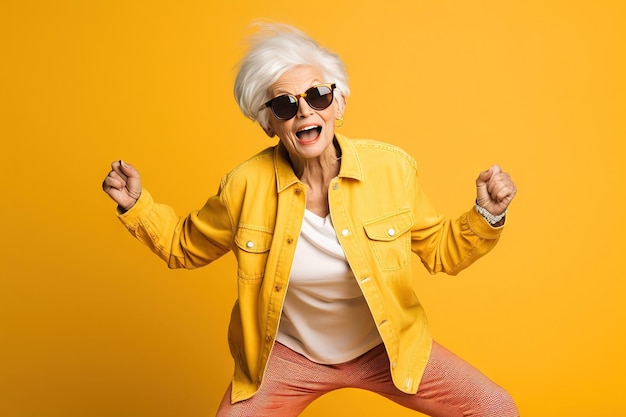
{"x":341,"y":106}
{"x":269,"y":131}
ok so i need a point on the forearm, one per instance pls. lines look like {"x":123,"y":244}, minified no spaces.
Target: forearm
{"x":176,"y":240}
{"x":450,"y":246}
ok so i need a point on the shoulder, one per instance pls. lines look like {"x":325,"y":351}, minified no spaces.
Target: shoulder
{"x":376,"y":152}
{"x":258,"y":166}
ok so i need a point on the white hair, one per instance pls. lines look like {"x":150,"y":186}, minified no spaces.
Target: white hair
{"x":274,"y":50}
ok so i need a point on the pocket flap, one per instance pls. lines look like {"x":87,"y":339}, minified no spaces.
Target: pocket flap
{"x":253,"y":239}
{"x":390,"y":226}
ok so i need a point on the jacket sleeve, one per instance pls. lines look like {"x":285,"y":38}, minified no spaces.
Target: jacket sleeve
{"x":182,"y":242}
{"x":446,"y":245}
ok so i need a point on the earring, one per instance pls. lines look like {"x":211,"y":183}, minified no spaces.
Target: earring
{"x":339,"y":121}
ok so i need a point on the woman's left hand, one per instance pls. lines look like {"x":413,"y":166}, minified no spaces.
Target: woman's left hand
{"x":495,"y":190}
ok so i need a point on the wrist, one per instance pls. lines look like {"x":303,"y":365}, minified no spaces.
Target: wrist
{"x":492,"y":219}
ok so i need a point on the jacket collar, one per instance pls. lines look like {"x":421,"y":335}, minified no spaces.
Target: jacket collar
{"x":350,"y":163}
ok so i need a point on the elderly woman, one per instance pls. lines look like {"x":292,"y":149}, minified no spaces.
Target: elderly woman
{"x":322,"y":227}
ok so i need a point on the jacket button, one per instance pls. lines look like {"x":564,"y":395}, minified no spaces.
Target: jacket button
{"x":345,"y":232}
{"x":391,"y":232}
{"x":290,"y":240}
{"x":298,"y":190}
{"x":249,"y":244}
{"x":335,"y":186}
{"x":278,"y":287}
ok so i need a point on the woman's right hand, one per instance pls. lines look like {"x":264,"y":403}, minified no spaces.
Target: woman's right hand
{"x":123,"y":184}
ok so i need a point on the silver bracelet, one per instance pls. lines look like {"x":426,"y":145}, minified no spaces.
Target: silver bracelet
{"x":491,"y":218}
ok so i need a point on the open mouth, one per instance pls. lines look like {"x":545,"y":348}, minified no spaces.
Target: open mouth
{"x":309,"y":133}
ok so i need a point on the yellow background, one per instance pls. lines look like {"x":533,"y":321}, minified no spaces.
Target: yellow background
{"x":92,"y":324}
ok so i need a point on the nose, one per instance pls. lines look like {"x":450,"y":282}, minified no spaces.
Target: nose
{"x":304,"y":109}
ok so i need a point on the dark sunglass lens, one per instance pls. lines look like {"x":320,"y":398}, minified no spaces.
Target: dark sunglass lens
{"x":285,"y":107}
{"x":319,"y":97}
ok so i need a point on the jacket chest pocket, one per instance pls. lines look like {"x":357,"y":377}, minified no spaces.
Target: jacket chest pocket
{"x":252,"y":245}
{"x":390,"y":239}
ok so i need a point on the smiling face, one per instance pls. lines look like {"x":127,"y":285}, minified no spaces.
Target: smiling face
{"x":310,"y":133}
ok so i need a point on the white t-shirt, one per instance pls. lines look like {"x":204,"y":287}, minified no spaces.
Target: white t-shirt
{"x":325,"y":316}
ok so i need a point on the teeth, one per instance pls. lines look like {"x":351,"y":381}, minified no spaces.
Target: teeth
{"x":304,"y":129}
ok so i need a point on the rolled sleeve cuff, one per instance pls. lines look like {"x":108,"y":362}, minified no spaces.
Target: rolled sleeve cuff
{"x":481,"y":227}
{"x":132,"y":217}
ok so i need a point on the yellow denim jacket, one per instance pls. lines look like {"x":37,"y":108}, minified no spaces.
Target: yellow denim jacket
{"x":380,"y":214}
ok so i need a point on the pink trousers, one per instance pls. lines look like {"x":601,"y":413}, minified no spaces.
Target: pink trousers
{"x":450,"y":386}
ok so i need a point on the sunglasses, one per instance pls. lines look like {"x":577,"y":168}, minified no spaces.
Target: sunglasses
{"x":286,"y":106}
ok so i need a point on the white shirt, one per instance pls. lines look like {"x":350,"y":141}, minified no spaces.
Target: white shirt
{"x":325,"y":316}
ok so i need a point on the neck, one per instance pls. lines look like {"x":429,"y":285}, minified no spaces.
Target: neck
{"x":319,"y":170}
{"x":317,"y":173}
